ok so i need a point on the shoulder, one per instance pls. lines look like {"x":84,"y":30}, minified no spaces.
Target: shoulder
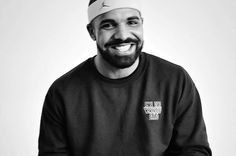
{"x":165,"y":69}
{"x":75,"y":77}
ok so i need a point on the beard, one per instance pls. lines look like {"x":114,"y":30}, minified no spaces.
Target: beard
{"x":118,"y":61}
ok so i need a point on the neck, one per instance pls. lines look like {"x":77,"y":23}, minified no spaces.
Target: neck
{"x":112,"y":72}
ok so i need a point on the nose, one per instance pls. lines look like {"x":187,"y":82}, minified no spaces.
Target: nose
{"x":121,"y":32}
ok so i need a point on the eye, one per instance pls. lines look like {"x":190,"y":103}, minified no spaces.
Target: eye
{"x":133,"y":22}
{"x":107,"y":26}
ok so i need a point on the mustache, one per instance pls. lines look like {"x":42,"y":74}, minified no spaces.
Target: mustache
{"x":120,"y":41}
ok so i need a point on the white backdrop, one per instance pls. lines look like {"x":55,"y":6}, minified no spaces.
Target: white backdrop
{"x":42,"y":39}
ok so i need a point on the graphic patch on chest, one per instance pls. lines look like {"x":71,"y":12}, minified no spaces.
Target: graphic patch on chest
{"x":152,"y":109}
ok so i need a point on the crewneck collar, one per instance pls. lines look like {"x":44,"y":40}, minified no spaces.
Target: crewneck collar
{"x":121,"y":81}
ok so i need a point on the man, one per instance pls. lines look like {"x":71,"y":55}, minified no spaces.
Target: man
{"x":122,"y":102}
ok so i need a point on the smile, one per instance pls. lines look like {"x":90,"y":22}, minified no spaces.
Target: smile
{"x":122,"y":48}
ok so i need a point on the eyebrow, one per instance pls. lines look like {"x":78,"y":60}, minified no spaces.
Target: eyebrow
{"x":107,"y":21}
{"x":133,"y":18}
{"x":113,"y":21}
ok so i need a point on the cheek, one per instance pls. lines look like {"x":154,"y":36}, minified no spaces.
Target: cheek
{"x":139,"y":33}
{"x":103,"y":38}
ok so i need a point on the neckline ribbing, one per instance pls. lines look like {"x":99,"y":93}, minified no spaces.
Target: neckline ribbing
{"x":122,"y":81}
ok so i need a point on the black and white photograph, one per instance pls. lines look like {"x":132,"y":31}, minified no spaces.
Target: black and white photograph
{"x":117,"y":78}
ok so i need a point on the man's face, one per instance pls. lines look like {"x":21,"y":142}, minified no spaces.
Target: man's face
{"x":119,"y":36}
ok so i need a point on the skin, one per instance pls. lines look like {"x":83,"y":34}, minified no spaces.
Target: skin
{"x":119,"y":37}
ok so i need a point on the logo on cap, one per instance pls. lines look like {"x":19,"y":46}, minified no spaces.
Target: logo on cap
{"x":104,"y":5}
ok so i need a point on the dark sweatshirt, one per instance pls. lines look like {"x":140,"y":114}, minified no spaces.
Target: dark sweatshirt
{"x":156,"y":111}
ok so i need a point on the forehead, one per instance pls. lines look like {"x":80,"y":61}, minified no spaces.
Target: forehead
{"x":118,"y":15}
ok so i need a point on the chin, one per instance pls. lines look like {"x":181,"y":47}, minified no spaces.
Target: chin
{"x":120,"y":60}
{"x":124,"y":61}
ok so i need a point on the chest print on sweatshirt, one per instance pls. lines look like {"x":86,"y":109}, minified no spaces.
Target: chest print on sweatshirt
{"x":153,"y":109}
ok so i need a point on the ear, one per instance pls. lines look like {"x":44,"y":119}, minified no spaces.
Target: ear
{"x":142,"y":19}
{"x":91,"y":31}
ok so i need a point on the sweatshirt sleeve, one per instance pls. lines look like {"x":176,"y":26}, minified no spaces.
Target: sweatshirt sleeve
{"x":189,"y":136}
{"x":52,"y":137}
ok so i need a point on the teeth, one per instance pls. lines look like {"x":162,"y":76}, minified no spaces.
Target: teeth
{"x":123,"y":48}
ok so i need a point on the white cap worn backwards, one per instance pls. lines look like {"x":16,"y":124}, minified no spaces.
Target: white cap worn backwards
{"x":98,"y":7}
